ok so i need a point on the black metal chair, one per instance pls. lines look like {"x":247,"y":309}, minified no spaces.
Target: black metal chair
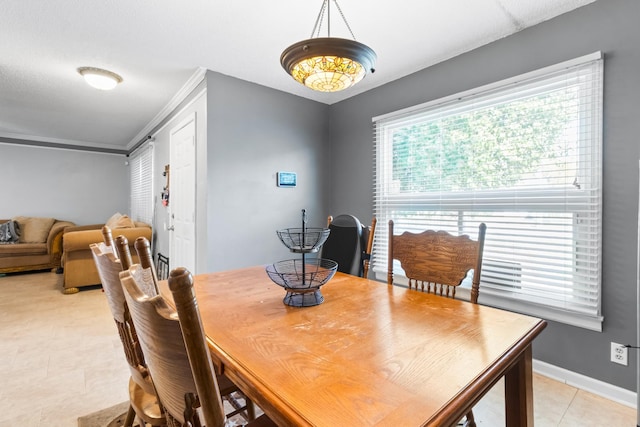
{"x":162,"y":267}
{"x":349,"y":244}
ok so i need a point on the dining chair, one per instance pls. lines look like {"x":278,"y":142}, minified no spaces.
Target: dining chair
{"x":143,"y":249}
{"x":368,"y":234}
{"x":142,"y":396}
{"x":349,"y":244}
{"x":176,"y":350}
{"x":228,"y":390}
{"x":438,"y":262}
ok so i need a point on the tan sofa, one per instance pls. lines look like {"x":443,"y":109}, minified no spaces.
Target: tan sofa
{"x":42,"y":249}
{"x":79,"y":267}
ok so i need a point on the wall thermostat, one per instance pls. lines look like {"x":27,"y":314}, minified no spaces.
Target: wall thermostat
{"x":286,"y":179}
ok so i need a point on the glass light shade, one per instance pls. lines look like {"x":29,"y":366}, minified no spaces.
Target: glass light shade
{"x":328,"y":64}
{"x":99,"y":78}
{"x":328,"y":73}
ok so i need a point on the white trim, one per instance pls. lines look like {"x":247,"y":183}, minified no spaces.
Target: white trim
{"x":541,"y":310}
{"x":502,"y":83}
{"x":182,"y":94}
{"x":179,"y":112}
{"x":600,"y":388}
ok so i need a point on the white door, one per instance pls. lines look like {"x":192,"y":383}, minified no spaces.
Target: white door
{"x":182,"y":201}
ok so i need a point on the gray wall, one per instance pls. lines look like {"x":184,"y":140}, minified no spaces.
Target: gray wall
{"x":610,"y":26}
{"x":254,"y":132}
{"x":79,"y":186}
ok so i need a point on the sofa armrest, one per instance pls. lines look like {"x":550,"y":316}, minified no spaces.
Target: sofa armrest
{"x":54,"y":242}
{"x":83,"y":227}
{"x":81,"y":239}
{"x":55,"y":234}
{"x":132,"y":233}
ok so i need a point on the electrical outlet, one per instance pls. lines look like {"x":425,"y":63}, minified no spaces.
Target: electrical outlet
{"x":619,"y":353}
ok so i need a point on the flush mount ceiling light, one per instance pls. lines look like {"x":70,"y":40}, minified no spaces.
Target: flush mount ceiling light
{"x":328,"y":64}
{"x":99,"y":78}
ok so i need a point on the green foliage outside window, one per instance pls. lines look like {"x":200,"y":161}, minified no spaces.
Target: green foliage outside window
{"x":489,"y":148}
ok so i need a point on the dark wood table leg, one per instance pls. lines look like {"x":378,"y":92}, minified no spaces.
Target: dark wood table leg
{"x":519,"y":392}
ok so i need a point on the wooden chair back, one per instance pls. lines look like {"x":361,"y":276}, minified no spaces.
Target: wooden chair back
{"x":122,"y":252}
{"x":143,"y":249}
{"x":367,"y":234}
{"x":142,"y":394}
{"x":108,"y":237}
{"x":436,"y":261}
{"x":175,"y":358}
{"x":109,"y":268}
{"x":122,"y":249}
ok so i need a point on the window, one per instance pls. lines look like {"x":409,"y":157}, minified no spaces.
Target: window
{"x":141,"y":183}
{"x":523,"y":156}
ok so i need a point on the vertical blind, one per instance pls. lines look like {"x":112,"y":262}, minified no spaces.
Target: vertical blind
{"x":524,"y":156}
{"x":141,"y":183}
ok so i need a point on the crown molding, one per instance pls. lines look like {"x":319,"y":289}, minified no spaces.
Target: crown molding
{"x":195,"y":79}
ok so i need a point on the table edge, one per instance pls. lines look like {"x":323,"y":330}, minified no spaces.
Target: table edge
{"x":464,"y":401}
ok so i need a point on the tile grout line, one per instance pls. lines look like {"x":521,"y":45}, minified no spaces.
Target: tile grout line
{"x":566,"y":410}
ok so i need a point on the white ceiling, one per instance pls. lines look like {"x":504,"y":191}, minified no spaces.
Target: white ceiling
{"x":158,"y":45}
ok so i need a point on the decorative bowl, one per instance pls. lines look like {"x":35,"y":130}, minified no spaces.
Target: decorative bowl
{"x":307,"y":240}
{"x":302,"y":279}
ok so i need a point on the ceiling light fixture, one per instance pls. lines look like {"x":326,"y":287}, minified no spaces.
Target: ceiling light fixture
{"x":328,"y":64}
{"x":99,"y":78}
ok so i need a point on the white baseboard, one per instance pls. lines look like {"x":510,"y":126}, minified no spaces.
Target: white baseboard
{"x":600,"y":388}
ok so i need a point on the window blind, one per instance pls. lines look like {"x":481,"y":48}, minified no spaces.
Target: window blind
{"x":141,"y":183}
{"x":524,"y":156}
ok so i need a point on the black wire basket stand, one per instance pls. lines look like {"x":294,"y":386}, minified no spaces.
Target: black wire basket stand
{"x":302,"y":278}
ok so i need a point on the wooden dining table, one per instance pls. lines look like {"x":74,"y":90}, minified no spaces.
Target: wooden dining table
{"x":369,"y":355}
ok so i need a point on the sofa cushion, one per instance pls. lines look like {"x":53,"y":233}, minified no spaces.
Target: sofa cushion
{"x":34,"y":229}
{"x":119,"y":221}
{"x":23,"y":249}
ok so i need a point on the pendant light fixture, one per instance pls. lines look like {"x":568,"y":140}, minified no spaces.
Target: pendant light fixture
{"x":328,"y":64}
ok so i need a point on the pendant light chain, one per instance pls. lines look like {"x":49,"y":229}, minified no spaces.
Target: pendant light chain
{"x":319,"y":19}
{"x":344,"y":19}
{"x":326,"y":7}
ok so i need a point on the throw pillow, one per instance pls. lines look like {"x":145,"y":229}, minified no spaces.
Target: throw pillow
{"x":9,"y":232}
{"x":111,"y":222}
{"x":123,"y":222}
{"x":118,"y":220}
{"x":34,"y":229}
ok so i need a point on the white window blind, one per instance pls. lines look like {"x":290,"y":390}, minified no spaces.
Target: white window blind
{"x":523,"y":156}
{"x":141,"y":183}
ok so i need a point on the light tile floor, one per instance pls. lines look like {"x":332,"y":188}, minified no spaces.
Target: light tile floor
{"x":61,"y":358}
